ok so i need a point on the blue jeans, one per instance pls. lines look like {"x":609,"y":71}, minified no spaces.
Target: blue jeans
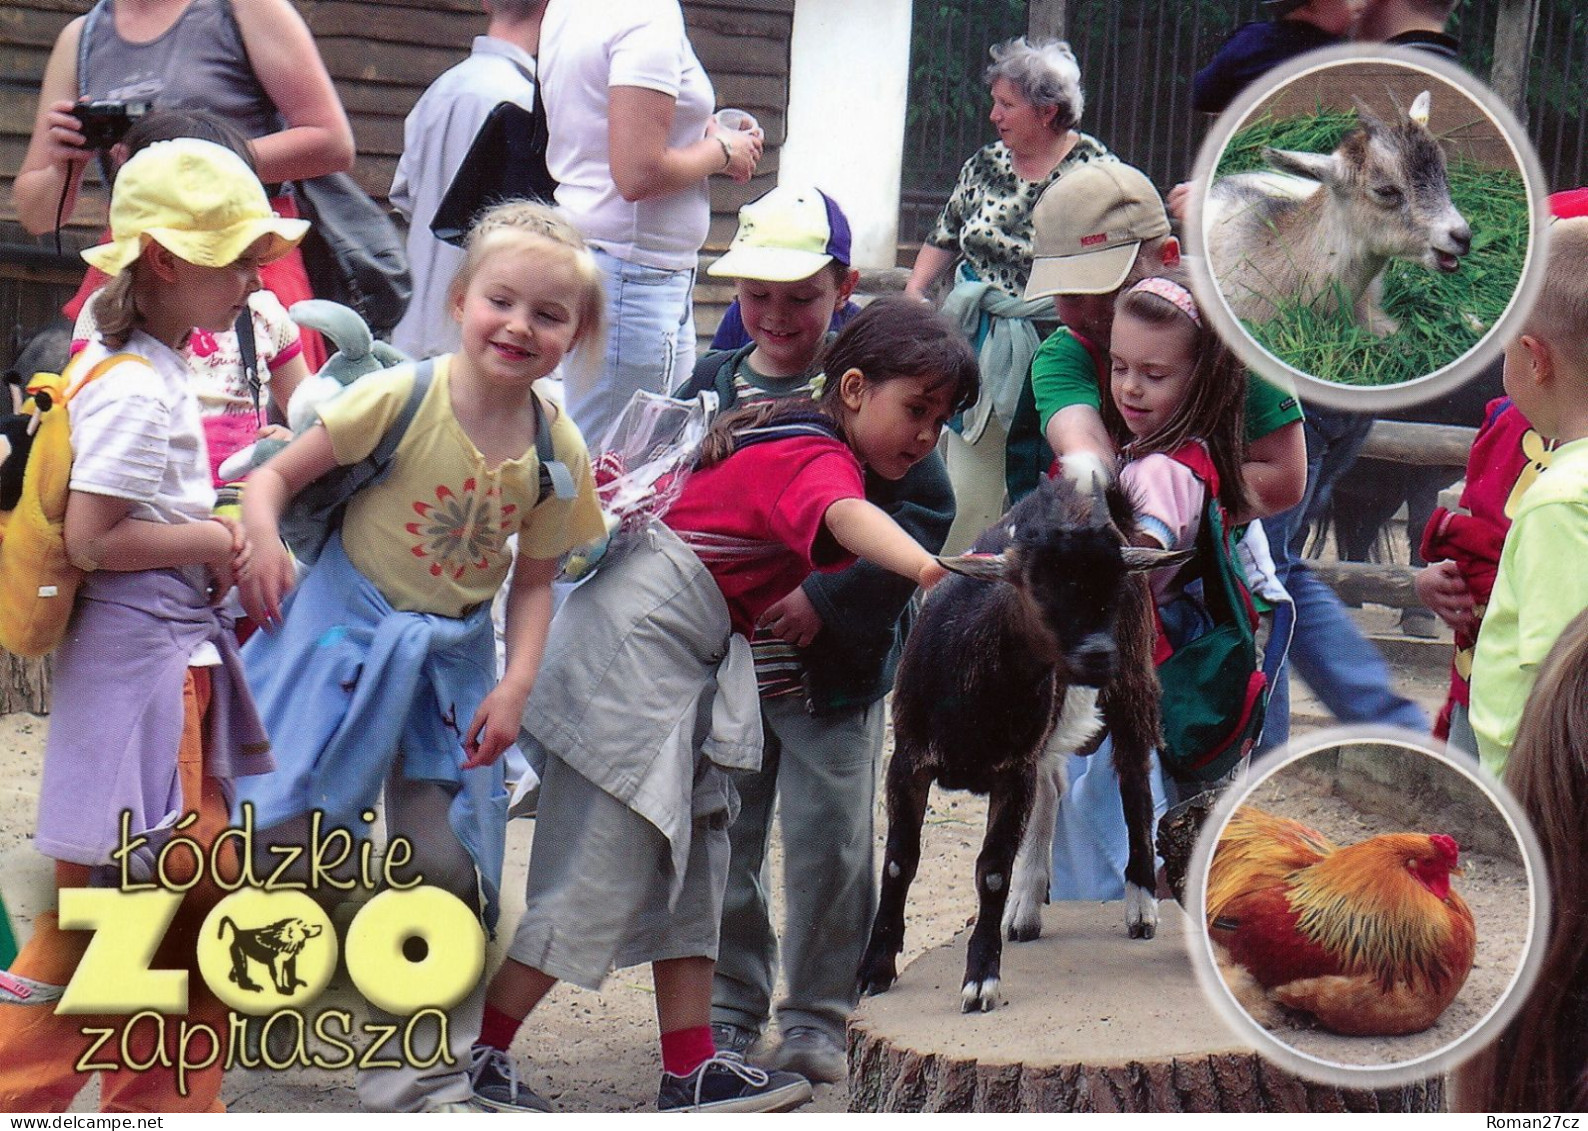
{"x":650,"y":343}
{"x":1341,"y":666}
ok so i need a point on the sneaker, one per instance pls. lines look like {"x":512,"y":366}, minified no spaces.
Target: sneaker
{"x":17,"y":990}
{"x":741,"y":1040}
{"x":496,"y":1084}
{"x":471,"y":1106}
{"x":727,"y":1083}
{"x":813,"y":1054}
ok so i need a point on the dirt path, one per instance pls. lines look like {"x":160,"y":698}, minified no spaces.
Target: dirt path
{"x":585,"y":1051}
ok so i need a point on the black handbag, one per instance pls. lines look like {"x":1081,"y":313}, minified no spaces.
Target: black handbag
{"x":353,"y":253}
{"x":506,"y":161}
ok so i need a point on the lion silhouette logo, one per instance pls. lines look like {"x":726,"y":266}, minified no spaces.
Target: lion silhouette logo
{"x":276,"y":947}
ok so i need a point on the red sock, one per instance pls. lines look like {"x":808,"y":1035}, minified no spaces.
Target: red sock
{"x":498,"y":1029}
{"x":684,"y":1050}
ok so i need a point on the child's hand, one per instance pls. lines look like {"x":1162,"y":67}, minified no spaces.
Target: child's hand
{"x":495,"y":726}
{"x":274,"y":432}
{"x":1178,"y":201}
{"x":270,"y":576}
{"x":226,"y":557}
{"x":1445,"y":591}
{"x":793,"y":619}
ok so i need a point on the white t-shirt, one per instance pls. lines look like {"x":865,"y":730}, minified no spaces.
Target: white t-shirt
{"x":585,"y":49}
{"x":136,"y":433}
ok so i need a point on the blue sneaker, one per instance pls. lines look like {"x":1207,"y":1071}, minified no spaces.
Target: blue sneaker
{"x":727,"y":1083}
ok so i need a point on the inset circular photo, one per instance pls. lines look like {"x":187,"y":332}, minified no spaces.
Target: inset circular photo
{"x":1371,"y":908}
{"x":1368,"y":222}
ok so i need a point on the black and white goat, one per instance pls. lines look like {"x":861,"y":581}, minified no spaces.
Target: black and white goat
{"x":1001,"y":679}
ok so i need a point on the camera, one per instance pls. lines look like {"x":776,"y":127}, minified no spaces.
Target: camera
{"x":106,"y":123}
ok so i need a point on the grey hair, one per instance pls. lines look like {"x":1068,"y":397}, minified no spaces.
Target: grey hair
{"x":1046,"y":74}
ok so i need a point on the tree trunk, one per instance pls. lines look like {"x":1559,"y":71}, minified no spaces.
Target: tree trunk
{"x":24,"y":684}
{"x":1092,"y":1022}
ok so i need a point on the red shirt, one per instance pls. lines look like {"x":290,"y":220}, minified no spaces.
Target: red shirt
{"x":774,"y":493}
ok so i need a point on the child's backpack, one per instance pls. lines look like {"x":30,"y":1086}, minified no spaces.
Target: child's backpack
{"x":1214,"y":690}
{"x":35,"y":476}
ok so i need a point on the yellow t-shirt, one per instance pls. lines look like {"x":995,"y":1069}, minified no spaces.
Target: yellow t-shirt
{"x":432,"y":535}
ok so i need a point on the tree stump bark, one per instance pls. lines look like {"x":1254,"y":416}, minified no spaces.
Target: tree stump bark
{"x":24,"y":684}
{"x":1092,"y":1022}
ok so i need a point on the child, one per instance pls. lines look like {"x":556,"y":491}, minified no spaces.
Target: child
{"x":1538,"y":587}
{"x":1538,"y":1061}
{"x":232,"y":405}
{"x":149,"y":658}
{"x":653,"y":695}
{"x":414,"y":659}
{"x":824,"y":658}
{"x":1175,"y":399}
{"x":1297,"y":26}
{"x":1099,"y":230}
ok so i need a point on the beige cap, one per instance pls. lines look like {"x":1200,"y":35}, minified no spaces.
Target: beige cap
{"x":1088,"y":225}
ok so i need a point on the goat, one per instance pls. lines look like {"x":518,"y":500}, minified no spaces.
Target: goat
{"x":1327,"y":232}
{"x":1001,"y":679}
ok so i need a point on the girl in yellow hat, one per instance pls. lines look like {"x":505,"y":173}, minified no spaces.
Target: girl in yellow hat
{"x":151,"y":718}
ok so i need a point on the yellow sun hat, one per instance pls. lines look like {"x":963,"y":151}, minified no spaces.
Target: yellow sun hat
{"x":198,"y":200}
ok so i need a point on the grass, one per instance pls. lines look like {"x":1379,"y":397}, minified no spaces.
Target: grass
{"x":1441,"y":316}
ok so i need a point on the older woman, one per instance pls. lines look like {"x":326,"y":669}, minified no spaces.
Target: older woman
{"x":633,"y":142}
{"x":986,"y":227}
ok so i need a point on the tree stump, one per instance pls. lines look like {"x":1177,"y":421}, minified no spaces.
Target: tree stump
{"x":1092,"y":1021}
{"x":24,"y":684}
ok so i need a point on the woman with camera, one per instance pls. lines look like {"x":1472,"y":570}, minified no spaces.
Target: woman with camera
{"x":252,"y":62}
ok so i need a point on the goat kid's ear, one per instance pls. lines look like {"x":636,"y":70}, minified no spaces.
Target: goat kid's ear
{"x":1321,"y":167}
{"x":982,"y":567}
{"x":1141,"y":558}
{"x":1371,"y":122}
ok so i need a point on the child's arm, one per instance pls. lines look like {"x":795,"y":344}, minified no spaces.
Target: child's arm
{"x":100,"y":535}
{"x":269,"y":489}
{"x":496,"y":723}
{"x":866,"y":531}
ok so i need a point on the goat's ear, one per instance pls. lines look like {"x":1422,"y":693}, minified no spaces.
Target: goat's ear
{"x":1371,"y":122}
{"x":1139,"y":558}
{"x":982,"y":567}
{"x":1320,"y":167}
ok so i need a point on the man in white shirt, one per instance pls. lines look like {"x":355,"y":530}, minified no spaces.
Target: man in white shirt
{"x":436,"y":136}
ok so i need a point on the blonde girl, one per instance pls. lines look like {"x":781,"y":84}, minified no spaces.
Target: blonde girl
{"x":654,"y":697}
{"x":1175,"y":408}
{"x":152,"y":718}
{"x":380,"y":669}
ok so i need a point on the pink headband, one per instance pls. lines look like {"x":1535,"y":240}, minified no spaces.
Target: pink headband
{"x":1171,"y":291}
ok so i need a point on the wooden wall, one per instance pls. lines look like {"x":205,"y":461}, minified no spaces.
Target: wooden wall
{"x":382,"y":54}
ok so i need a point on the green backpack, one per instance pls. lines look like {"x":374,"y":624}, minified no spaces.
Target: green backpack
{"x":1214,"y":690}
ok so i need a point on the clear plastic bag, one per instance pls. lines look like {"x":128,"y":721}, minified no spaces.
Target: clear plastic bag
{"x":643,"y":462}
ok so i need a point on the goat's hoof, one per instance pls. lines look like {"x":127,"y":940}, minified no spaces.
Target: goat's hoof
{"x":1141,"y":912}
{"x":1025,"y":932}
{"x":979,"y":997}
{"x":877,"y":978}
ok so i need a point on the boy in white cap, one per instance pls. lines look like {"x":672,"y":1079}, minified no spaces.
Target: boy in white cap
{"x":824,"y":659}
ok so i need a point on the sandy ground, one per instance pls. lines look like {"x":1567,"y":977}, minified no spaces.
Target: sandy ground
{"x":585,"y":1051}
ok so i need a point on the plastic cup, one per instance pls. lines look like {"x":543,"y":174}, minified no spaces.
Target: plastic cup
{"x":740,"y":121}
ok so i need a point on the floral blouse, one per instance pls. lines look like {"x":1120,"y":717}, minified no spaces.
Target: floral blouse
{"x":987,"y":220}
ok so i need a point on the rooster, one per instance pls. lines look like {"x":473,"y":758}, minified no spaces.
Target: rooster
{"x":1369,"y":939}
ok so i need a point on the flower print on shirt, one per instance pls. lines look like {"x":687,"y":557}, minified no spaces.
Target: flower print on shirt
{"x":460,"y":531}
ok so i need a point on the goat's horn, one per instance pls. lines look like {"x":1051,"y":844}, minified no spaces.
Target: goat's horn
{"x":982,"y":567}
{"x":1419,"y":111}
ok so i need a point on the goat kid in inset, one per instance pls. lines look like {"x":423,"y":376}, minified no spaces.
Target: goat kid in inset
{"x":1327,"y":232}
{"x":1002,"y":678}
